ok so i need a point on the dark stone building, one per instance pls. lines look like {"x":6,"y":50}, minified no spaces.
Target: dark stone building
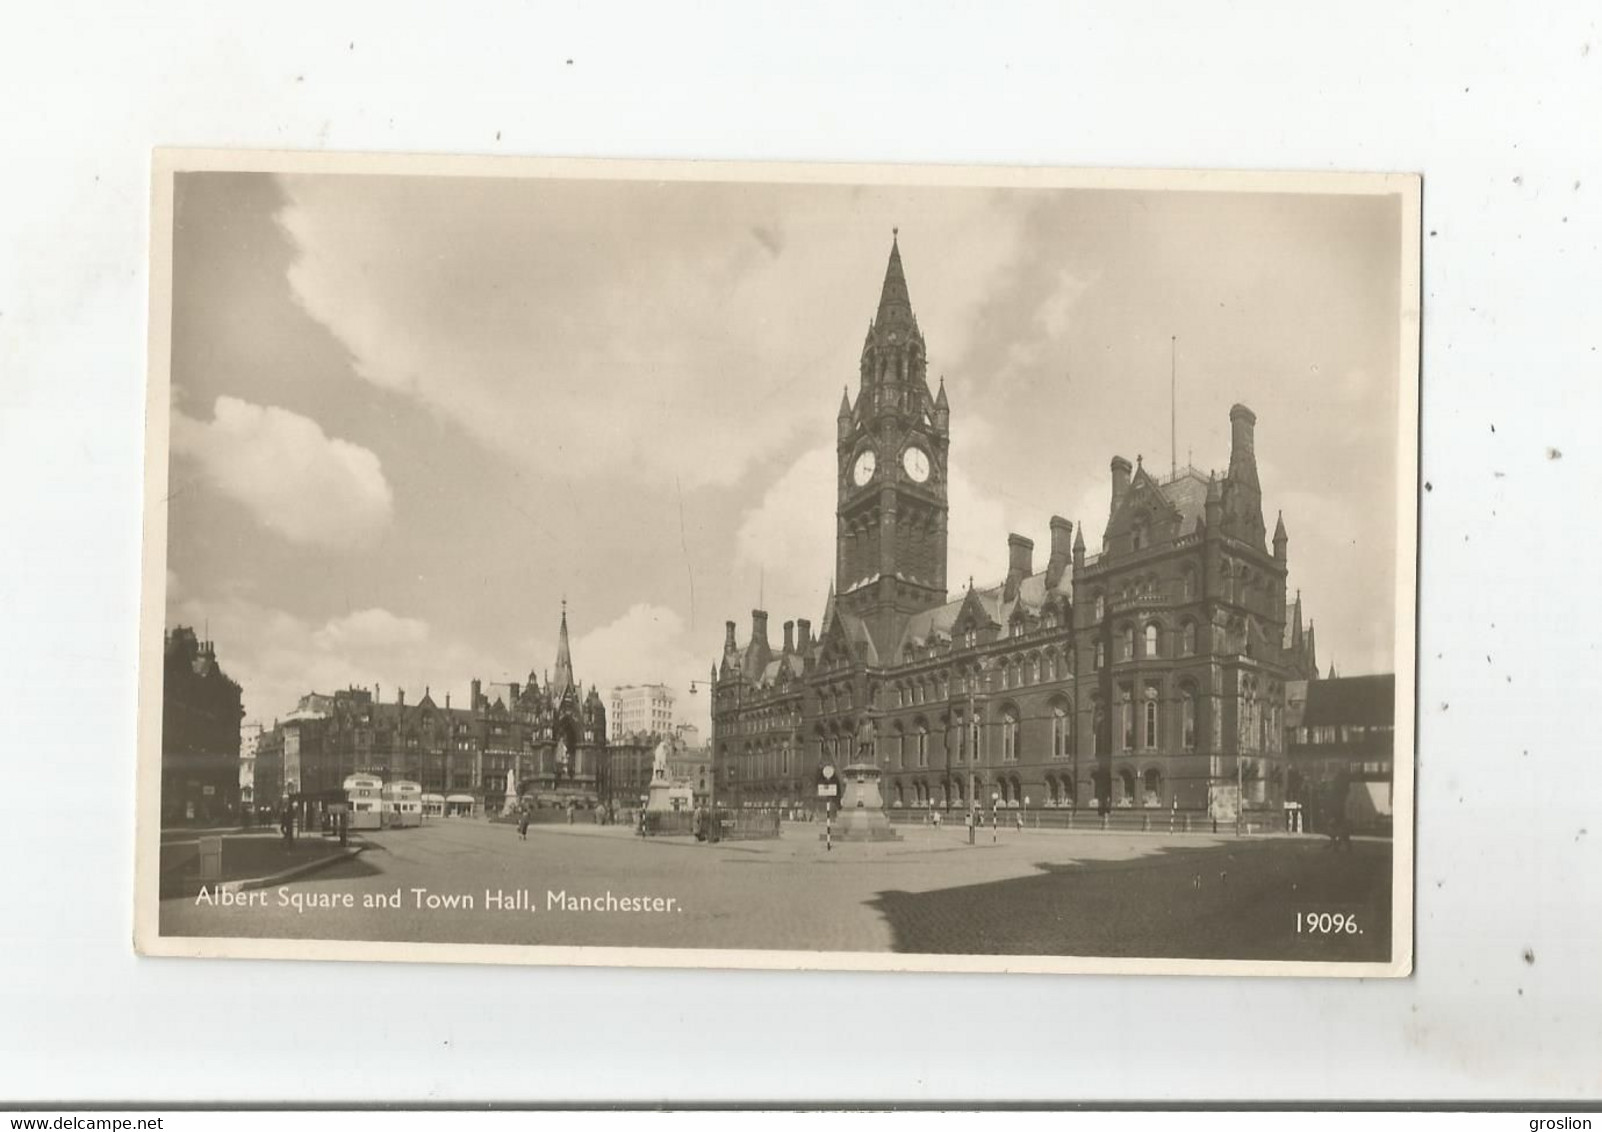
{"x":1341,"y":740}
{"x":1149,"y":675}
{"x":551,"y":737}
{"x":200,"y":716}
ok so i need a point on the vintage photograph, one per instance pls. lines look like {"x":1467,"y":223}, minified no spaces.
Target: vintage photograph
{"x":820,"y":566}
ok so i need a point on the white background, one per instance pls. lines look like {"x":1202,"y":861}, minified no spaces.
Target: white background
{"x":1496,"y":104}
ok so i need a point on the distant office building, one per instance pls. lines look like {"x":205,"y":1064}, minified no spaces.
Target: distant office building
{"x":249,"y":743}
{"x":641,"y":709}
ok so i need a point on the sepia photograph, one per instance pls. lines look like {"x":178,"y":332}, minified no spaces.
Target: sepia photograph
{"x":692,"y":564}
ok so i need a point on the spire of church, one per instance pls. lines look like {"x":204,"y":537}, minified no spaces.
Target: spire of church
{"x":563,"y":680}
{"x":895,"y":304}
{"x":940,"y":398}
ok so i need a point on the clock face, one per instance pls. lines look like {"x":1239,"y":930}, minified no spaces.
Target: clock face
{"x":863,"y":472}
{"x":916,"y":462}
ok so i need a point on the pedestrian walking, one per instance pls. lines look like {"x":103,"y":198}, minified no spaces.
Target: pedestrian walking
{"x":522,"y":824}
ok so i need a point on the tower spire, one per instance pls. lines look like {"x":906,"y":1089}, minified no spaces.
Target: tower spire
{"x":895,"y":304}
{"x":563,"y":680}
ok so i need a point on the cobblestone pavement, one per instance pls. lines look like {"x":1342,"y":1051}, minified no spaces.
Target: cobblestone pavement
{"x":929,"y":892}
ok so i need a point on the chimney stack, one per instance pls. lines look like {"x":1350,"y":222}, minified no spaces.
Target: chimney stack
{"x":1020,"y":563}
{"x":804,"y":640}
{"x":400,"y":696}
{"x":512,"y":695}
{"x":1120,"y":481}
{"x":478,"y":694}
{"x":728,"y":636}
{"x":1062,"y":550}
{"x":759,"y":626}
{"x":789,"y":637}
{"x":1243,"y":445}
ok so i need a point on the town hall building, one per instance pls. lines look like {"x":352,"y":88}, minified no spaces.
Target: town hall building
{"x":1151,"y":675}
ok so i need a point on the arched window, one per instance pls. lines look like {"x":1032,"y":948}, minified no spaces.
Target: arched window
{"x":1127,"y":640}
{"x":1126,"y":780}
{"x":1098,"y":725}
{"x":1187,"y":638}
{"x":900,"y":747}
{"x":1151,"y":719}
{"x":1009,"y":735}
{"x":1151,"y":638}
{"x":1153,"y":784}
{"x":1126,"y":719}
{"x":1060,"y":732}
{"x":1101,"y":606}
{"x":1101,"y":656}
{"x":923,"y":744}
{"x":975,"y":736}
{"x":1138,"y":534}
{"x":1187,"y":695}
{"x":1189,"y":584}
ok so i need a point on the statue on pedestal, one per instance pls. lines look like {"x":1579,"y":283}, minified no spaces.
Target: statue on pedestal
{"x":862,"y":816}
{"x":658,"y":799}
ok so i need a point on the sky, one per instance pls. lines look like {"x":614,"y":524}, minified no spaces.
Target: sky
{"x":413,"y":415}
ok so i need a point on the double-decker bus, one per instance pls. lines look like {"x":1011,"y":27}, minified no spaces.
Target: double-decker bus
{"x":403,"y":804}
{"x":364,"y":792}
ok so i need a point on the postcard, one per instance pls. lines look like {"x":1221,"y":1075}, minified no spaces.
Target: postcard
{"x":692,"y":564}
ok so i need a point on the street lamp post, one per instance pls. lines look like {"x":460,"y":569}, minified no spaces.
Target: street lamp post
{"x":715,"y":828}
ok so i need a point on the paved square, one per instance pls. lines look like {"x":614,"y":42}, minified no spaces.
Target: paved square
{"x":1035,"y":892}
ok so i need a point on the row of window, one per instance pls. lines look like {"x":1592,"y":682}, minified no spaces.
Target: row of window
{"x":1331,"y":733}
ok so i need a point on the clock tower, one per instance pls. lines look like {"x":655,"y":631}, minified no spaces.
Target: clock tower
{"x":890,"y":542}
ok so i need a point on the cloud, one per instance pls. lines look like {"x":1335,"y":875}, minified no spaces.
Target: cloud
{"x":307,"y":486}
{"x":643,"y":317}
{"x":277,"y":656}
{"x":370,"y":628}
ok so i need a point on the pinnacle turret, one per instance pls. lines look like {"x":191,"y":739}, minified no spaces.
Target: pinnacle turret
{"x":895,"y":305}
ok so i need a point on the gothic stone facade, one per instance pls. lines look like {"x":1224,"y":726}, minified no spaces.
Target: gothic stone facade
{"x":1152,"y":674}
{"x":551,"y":737}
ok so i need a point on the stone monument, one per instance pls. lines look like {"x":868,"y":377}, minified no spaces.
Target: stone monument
{"x":861,"y":816}
{"x":512,"y":799}
{"x":658,"y":800}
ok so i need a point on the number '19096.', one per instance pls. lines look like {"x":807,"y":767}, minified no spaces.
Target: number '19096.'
{"x":1327,"y":923}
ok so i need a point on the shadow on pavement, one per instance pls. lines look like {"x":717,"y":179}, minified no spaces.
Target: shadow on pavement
{"x":1237,"y":901}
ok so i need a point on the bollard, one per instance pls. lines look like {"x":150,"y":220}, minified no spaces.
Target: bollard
{"x":211,"y":858}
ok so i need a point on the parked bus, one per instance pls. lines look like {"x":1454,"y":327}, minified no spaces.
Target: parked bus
{"x":364,"y":792}
{"x":403,"y":804}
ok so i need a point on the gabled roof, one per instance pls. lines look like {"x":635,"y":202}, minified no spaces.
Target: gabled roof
{"x":983,"y":607}
{"x":1188,"y":495}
